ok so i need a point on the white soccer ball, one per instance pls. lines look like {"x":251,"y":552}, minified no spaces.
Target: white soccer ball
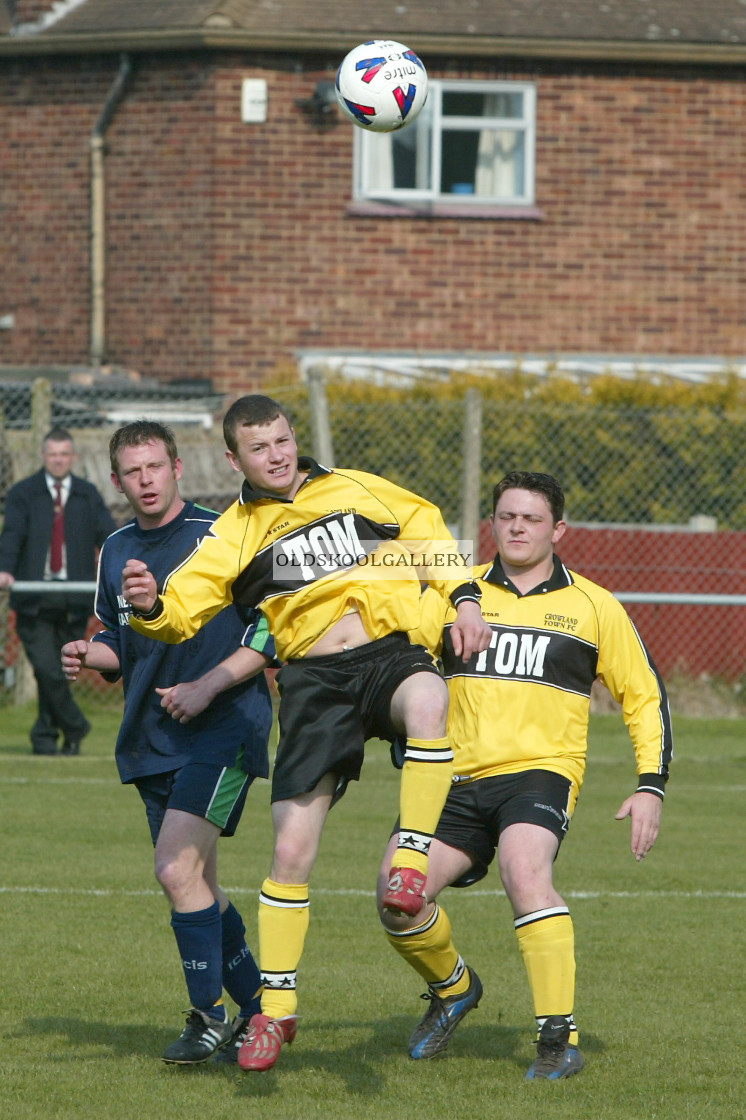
{"x":381,"y":85}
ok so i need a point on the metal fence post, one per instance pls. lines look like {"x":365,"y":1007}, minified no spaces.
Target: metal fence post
{"x":472,"y":460}
{"x":41,"y":410}
{"x":321,"y":432}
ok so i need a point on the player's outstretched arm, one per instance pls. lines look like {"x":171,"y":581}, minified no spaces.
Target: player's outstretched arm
{"x":80,"y":654}
{"x":138,"y":586}
{"x":186,"y":700}
{"x":470,"y":634}
{"x":644,"y":811}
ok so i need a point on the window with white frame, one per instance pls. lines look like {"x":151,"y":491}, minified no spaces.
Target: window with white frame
{"x":472,"y":142}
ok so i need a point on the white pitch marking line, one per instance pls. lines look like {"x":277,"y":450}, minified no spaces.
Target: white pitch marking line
{"x":108,"y":892}
{"x":57,"y":781}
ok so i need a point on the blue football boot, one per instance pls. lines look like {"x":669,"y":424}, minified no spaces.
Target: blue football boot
{"x":433,"y":1032}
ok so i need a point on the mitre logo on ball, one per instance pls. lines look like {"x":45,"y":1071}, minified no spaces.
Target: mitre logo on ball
{"x":381,"y":85}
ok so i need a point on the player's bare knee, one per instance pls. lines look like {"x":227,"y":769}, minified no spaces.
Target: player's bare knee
{"x":174,"y":877}
{"x":291,"y":862}
{"x":427,"y":712}
{"x":393,"y":922}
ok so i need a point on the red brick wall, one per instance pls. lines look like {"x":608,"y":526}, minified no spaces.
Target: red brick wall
{"x":161,"y":224}
{"x":47,"y":113}
{"x":231,"y":245}
{"x":159,"y":227}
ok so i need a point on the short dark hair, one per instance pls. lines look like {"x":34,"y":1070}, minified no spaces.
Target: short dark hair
{"x":138,"y":433}
{"x":248,"y":411}
{"x":58,"y":434}
{"x":538,"y":483}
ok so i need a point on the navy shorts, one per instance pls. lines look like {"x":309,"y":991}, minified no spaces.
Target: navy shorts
{"x":475,"y":813}
{"x":330,"y":705}
{"x":216,"y":793}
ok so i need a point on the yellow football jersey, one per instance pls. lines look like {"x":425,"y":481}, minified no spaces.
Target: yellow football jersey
{"x":524,"y":703}
{"x":348,"y":541}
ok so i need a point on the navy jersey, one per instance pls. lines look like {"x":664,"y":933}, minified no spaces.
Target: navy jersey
{"x":234,"y":729}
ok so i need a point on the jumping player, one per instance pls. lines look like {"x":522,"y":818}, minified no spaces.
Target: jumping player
{"x":306,"y":545}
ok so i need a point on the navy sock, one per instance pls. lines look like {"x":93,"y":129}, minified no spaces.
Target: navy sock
{"x":241,"y":978}
{"x":198,"y":936}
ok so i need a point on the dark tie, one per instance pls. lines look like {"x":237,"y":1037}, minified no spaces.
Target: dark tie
{"x":58,"y":532}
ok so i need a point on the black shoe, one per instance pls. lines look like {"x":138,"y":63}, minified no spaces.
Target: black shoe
{"x":71,"y":745}
{"x":201,"y":1037}
{"x":229,"y":1053}
{"x":432,"y":1034}
{"x":555,"y":1057}
{"x":44,"y":750}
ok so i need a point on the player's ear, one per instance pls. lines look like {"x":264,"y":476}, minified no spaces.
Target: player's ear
{"x":115,"y":482}
{"x":233,"y":460}
{"x":559,"y":531}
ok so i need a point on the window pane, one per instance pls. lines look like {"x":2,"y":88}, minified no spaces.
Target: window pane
{"x":482,"y":146}
{"x":487,"y":163}
{"x":400,"y":160}
{"x":412,"y":155}
{"x":462,"y":103}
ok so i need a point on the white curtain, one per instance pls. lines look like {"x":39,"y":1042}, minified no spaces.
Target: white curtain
{"x":499,"y":170}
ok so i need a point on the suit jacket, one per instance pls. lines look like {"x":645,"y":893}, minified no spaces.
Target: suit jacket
{"x":27,"y":533}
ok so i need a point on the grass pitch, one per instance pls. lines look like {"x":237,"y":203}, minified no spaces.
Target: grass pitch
{"x":93,"y":991}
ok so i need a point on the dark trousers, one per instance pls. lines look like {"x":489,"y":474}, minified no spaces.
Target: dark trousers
{"x":43,"y":636}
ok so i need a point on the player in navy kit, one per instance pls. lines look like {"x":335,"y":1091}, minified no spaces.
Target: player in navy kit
{"x":193,"y":736}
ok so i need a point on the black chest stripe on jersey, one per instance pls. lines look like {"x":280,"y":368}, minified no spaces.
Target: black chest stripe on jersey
{"x":330,"y":544}
{"x":520,"y":653}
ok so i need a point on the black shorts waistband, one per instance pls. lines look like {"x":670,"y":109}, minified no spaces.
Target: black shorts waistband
{"x":357,"y":653}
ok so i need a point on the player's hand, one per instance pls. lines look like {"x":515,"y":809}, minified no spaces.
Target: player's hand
{"x":470,"y":634}
{"x":73,"y":658}
{"x":644,"y":810}
{"x":186,"y":700}
{"x":7,"y":579}
{"x":138,"y":586}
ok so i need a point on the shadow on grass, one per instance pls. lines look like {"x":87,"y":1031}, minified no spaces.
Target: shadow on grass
{"x":365,"y":1066}
{"x":362,"y":1064}
{"x":18,"y":747}
{"x":101,"y":1039}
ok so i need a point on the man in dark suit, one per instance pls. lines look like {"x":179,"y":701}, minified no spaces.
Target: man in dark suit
{"x":54,"y":523}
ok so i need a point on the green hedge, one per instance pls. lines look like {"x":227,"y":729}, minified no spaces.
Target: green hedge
{"x":639,"y":450}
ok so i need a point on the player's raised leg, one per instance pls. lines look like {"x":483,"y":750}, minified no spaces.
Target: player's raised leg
{"x":424,"y":942}
{"x":420,"y":707}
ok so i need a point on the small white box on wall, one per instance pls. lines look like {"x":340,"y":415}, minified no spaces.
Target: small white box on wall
{"x":254,"y":101}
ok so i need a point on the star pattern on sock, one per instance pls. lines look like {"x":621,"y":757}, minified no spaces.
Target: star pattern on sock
{"x":415,"y":841}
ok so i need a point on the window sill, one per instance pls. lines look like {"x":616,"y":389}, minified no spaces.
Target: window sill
{"x":442,"y":208}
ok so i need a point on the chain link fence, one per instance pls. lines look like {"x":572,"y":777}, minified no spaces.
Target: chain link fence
{"x":656,"y":488}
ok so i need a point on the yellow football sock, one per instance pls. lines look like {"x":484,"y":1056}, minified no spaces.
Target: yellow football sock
{"x":283,"y":924}
{"x":431,"y":952}
{"x":547,"y":942}
{"x":425,"y":782}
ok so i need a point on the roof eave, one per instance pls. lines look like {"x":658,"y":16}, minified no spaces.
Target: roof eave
{"x":458,"y":46}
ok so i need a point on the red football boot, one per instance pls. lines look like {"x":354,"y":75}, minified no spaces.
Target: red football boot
{"x":264,"y":1041}
{"x":405,"y":892}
